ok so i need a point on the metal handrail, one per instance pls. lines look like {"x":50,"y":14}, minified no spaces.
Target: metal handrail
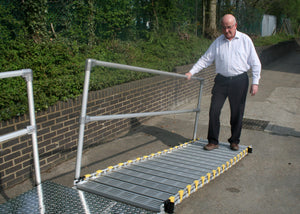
{"x":139,"y":69}
{"x":90,"y":63}
{"x":28,"y":75}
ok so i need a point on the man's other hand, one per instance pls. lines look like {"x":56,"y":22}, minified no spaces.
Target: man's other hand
{"x":253,"y":89}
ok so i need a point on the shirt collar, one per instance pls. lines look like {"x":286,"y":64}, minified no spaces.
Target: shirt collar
{"x":237,"y":35}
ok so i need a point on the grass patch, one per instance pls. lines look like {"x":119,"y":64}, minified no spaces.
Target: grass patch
{"x":271,"y":40}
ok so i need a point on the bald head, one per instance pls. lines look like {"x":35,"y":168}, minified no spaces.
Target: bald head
{"x":228,"y":18}
{"x":229,"y":26}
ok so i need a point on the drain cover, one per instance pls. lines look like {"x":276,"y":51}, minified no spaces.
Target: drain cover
{"x":252,"y":124}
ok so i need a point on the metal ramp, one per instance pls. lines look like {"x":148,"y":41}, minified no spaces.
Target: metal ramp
{"x":161,"y":180}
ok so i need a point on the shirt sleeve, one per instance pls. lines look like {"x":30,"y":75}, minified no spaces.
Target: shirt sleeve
{"x":206,"y":60}
{"x":254,"y":63}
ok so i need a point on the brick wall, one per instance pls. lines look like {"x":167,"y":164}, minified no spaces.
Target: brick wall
{"x":58,"y":126}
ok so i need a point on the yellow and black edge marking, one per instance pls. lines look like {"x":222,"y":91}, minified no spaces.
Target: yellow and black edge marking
{"x":173,"y":200}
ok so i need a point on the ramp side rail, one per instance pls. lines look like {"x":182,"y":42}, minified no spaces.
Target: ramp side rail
{"x":90,"y":63}
{"x":32,"y":129}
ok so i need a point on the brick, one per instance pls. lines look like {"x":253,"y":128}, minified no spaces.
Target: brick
{"x":63,"y":130}
{"x":67,"y":111}
{"x":4,"y":152}
{"x":41,"y":119}
{"x":77,"y":109}
{"x":41,"y":151}
{"x":6,"y":165}
{"x":12,"y":156}
{"x":45,"y":143}
{"x":22,"y":125}
{"x":61,"y":119}
{"x":53,"y":116}
{"x":56,"y":127}
{"x":6,"y":130}
{"x":49,"y":136}
{"x":27,"y":170}
{"x":22,"y":158}
{"x":71,"y":144}
{"x":108,"y":99}
{"x":26,"y":138}
{"x":7,"y":178}
{"x":27,"y":150}
{"x":27,"y":163}
{"x":52,"y":158}
{"x":13,"y":169}
{"x":103,"y":105}
{"x":10,"y":143}
{"x":51,"y":147}
{"x":43,"y":131}
{"x":48,"y":123}
{"x":74,"y":115}
{"x":20,"y":146}
{"x":64,"y":141}
{"x":70,"y":133}
{"x":74,"y":127}
{"x":42,"y":162}
{"x":69,"y":122}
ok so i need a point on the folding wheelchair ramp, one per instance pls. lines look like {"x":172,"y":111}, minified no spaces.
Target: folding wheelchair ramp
{"x":161,"y":180}
{"x":158,"y":181}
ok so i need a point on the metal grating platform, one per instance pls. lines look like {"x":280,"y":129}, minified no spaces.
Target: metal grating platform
{"x":50,"y":197}
{"x":154,"y":182}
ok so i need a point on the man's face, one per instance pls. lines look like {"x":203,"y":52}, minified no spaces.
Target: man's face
{"x":229,"y":28}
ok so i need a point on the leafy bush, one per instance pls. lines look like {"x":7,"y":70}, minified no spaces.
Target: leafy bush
{"x":58,"y":66}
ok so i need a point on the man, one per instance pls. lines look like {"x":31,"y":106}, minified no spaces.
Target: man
{"x":234,"y":54}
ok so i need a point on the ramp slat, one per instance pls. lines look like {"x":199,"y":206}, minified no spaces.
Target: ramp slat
{"x":143,"y":182}
{"x":123,"y":196}
{"x":136,"y":188}
{"x":154,"y":178}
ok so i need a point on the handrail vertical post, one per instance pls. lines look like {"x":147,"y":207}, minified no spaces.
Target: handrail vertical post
{"x":88,"y":67}
{"x":198,"y":112}
{"x":29,"y":78}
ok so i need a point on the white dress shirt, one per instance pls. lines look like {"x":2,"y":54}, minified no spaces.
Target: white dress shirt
{"x":231,"y":57}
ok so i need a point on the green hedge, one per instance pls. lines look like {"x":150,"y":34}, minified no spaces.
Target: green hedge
{"x":58,"y":67}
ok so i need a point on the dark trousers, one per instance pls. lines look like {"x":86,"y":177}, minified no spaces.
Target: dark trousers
{"x":235,"y":88}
